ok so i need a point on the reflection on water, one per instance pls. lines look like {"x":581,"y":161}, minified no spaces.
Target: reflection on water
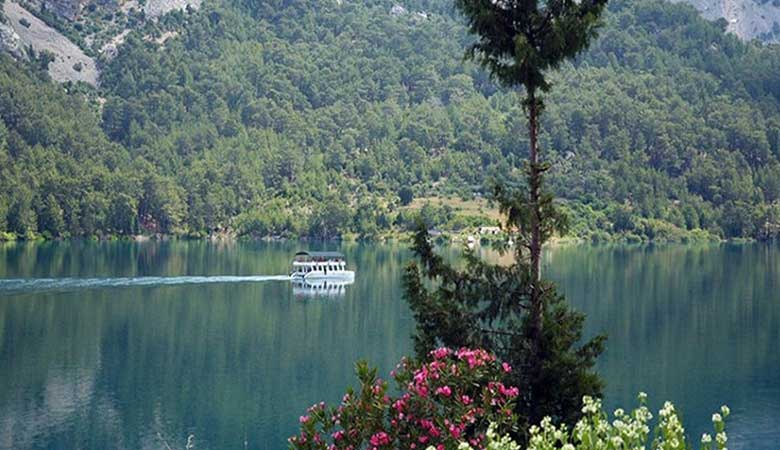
{"x":320,"y":288}
{"x":231,"y":363}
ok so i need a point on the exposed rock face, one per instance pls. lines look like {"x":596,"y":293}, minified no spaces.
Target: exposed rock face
{"x":398,"y":10}
{"x":748,"y":19}
{"x":69,"y":64}
{"x":11,"y":42}
{"x":156,"y":8}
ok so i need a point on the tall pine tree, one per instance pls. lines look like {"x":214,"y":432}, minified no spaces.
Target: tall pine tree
{"x":511,"y":310}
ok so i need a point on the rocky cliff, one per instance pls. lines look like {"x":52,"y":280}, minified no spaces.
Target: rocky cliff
{"x":24,"y":30}
{"x":748,"y":19}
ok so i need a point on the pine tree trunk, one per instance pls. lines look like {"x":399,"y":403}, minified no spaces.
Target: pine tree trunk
{"x":535,"y":182}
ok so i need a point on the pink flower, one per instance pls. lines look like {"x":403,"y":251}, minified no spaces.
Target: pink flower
{"x":303,"y":419}
{"x":507,"y":368}
{"x":379,"y":439}
{"x":465,"y":399}
{"x":444,"y":390}
{"x":441,"y":353}
{"x":510,"y":392}
{"x":338,"y":435}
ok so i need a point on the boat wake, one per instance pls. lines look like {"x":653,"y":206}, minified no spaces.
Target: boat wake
{"x":54,"y":284}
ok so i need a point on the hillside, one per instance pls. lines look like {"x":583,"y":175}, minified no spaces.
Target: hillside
{"x":287,"y":118}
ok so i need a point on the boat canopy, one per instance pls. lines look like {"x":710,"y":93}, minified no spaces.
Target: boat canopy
{"x":319,"y":256}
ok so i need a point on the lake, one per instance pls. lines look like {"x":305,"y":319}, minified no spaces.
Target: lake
{"x":96,"y":354}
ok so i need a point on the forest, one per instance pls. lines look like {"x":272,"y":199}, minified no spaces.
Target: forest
{"x":286,"y":118}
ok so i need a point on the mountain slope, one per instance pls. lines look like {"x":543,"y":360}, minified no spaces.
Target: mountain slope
{"x":283,"y":117}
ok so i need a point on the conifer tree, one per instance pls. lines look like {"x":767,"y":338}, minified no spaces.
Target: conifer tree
{"x":511,"y":310}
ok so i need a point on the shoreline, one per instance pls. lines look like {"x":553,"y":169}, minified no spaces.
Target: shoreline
{"x":444,"y":239}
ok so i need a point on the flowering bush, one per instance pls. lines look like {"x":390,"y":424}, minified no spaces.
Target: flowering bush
{"x":628,"y":431}
{"x":449,"y":399}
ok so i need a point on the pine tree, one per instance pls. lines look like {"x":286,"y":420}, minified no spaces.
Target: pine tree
{"x":512,"y":310}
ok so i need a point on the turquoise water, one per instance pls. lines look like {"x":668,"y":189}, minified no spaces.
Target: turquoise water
{"x":136,"y":346}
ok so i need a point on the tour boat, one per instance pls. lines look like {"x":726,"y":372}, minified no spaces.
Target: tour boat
{"x":320,"y":266}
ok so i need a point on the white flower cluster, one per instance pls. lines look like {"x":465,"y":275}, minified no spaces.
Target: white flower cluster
{"x":626,"y":432}
{"x":672,"y":435}
{"x":719,"y":423}
{"x":591,"y":406}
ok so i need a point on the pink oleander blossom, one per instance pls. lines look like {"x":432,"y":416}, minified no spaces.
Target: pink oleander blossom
{"x":444,"y":400}
{"x":441,"y":353}
{"x":380,"y":439}
{"x":444,"y":390}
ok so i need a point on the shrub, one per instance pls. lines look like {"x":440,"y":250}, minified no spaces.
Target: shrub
{"x":626,"y":431}
{"x":406,"y":195}
{"x":600,"y":237}
{"x":449,"y":399}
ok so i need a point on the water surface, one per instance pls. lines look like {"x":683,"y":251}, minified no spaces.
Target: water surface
{"x":127,"y":345}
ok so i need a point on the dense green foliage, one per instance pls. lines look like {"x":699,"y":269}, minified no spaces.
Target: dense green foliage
{"x":288,"y":118}
{"x":492,"y":306}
